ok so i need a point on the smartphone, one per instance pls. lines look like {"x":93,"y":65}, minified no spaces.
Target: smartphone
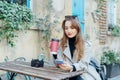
{"x":57,"y":61}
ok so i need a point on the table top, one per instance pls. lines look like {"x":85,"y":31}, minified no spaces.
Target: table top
{"x":46,"y":72}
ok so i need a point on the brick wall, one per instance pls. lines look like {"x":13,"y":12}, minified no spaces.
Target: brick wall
{"x":103,"y":23}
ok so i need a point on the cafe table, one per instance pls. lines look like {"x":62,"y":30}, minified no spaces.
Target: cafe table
{"x":46,"y":72}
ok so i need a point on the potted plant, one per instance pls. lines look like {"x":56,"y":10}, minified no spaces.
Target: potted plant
{"x":116,"y":31}
{"x":14,"y":17}
{"x":111,"y":60}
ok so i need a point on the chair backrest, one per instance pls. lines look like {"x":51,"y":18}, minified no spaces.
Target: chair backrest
{"x":20,"y":59}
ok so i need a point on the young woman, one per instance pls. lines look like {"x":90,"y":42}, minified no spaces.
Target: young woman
{"x":75,"y":52}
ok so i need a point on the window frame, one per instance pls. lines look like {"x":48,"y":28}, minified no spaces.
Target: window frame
{"x":27,"y":3}
{"x":111,"y":12}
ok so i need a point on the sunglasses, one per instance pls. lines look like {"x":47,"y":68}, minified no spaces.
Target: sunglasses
{"x":70,"y":17}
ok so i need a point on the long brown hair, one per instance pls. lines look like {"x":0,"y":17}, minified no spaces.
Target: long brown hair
{"x":79,"y":43}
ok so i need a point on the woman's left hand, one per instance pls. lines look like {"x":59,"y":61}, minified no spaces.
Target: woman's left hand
{"x":66,"y":67}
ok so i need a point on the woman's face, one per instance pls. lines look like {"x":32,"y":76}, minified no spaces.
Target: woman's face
{"x":70,"y":32}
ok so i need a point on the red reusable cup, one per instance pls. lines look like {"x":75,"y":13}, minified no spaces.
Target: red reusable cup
{"x":54,"y":47}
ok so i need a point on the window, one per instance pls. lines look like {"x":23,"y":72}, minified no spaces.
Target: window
{"x":20,"y":2}
{"x":111,"y":13}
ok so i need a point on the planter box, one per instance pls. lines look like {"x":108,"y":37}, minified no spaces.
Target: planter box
{"x":112,"y":70}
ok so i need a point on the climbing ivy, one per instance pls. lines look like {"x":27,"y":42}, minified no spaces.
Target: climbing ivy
{"x":14,"y":17}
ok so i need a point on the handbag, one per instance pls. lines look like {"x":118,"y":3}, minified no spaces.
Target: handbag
{"x":99,"y":68}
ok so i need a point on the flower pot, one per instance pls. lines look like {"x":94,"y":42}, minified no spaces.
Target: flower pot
{"x":112,"y":70}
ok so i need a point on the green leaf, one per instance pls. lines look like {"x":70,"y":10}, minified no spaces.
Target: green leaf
{"x":12,"y":16}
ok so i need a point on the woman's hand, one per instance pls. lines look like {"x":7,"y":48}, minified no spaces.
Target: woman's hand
{"x":66,"y":67}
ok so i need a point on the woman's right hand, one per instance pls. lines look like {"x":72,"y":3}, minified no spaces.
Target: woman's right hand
{"x":66,"y":67}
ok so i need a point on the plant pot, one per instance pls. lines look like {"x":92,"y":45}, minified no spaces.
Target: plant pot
{"x":112,"y":70}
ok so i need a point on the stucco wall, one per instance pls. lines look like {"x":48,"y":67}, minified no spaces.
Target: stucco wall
{"x":27,"y":45}
{"x":91,"y":26}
